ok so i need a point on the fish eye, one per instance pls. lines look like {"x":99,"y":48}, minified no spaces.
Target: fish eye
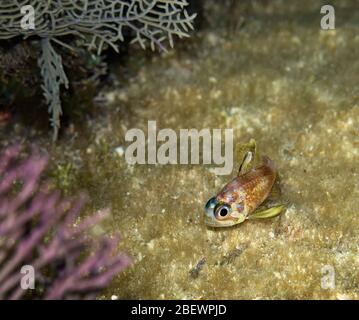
{"x":222,"y":211}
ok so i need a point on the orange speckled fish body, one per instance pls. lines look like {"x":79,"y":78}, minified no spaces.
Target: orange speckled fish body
{"x":242,"y":196}
{"x":251,"y":188}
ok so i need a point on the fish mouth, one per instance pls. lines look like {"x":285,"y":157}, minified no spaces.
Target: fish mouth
{"x":210,"y":222}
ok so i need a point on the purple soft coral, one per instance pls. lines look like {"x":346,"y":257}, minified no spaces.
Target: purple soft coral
{"x":39,"y":229}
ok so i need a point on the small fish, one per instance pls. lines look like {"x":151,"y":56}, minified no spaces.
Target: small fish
{"x":239,"y":199}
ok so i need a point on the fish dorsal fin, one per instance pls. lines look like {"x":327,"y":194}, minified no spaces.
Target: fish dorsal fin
{"x":248,"y":158}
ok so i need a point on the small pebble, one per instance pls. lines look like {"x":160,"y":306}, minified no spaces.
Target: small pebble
{"x":120,"y":151}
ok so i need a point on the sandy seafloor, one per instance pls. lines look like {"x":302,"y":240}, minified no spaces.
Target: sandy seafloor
{"x":277,"y":78}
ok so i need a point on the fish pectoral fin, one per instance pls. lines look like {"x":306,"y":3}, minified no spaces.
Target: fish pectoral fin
{"x":267,"y":213}
{"x":275,"y":193}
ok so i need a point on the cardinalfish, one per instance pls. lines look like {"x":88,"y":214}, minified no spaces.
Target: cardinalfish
{"x":241,"y":199}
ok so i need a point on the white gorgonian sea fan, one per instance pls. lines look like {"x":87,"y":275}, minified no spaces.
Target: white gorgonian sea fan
{"x":96,"y":23}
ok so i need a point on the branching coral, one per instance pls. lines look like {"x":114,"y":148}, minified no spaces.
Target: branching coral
{"x":95,"y":23}
{"x":39,"y":229}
